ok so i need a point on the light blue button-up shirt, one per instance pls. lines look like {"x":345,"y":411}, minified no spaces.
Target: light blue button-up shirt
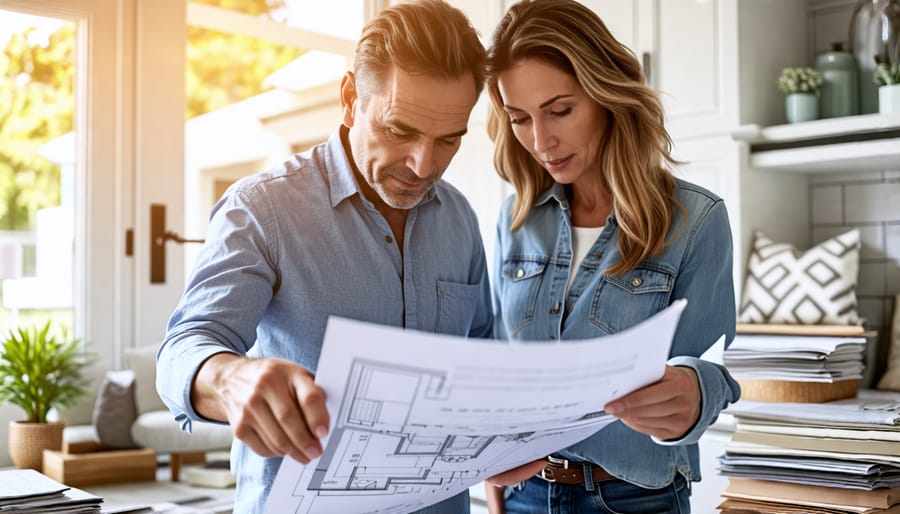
{"x":530,"y":304}
{"x":288,"y":248}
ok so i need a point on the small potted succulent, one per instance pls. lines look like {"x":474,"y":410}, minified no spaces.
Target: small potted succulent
{"x":801,"y":87}
{"x":887,"y":77}
{"x":39,"y":371}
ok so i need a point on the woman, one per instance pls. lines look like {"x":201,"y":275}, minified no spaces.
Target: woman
{"x":598,"y":237}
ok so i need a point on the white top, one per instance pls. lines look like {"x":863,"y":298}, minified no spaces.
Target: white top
{"x":582,"y":240}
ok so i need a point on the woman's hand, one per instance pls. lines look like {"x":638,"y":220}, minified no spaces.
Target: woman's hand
{"x":666,"y":409}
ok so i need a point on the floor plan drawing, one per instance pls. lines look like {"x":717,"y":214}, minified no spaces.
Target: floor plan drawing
{"x":443,"y":414}
{"x":379,"y":446}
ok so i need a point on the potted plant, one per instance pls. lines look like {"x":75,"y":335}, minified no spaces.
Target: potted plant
{"x":801,"y":85}
{"x":38,"y":372}
{"x":887,"y":78}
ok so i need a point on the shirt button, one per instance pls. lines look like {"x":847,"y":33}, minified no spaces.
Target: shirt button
{"x":388,"y":239}
{"x":636,"y":281}
{"x":520,"y":273}
{"x":555,"y":309}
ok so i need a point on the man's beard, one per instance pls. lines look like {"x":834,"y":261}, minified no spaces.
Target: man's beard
{"x":401,"y":200}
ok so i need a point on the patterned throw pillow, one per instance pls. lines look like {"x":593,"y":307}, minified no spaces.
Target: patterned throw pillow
{"x":813,"y":287}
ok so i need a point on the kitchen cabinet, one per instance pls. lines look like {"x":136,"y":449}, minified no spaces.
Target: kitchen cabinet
{"x":714,"y":63}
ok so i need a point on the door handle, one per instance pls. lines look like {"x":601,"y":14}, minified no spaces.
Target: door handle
{"x":159,"y":235}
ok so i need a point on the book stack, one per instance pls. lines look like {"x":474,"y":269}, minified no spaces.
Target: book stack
{"x":216,"y":473}
{"x":26,"y":490}
{"x":835,"y":457}
{"x":785,"y":363}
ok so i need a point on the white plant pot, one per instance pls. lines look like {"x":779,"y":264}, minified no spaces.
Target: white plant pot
{"x":889,"y":99}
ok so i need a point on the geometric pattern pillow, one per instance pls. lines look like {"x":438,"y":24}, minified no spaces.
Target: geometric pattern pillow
{"x":817,"y":286}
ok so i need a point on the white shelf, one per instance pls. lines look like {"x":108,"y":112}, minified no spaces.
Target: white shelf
{"x":869,"y":142}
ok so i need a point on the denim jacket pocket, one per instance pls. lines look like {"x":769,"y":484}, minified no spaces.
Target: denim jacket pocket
{"x":456,"y":303}
{"x":622,"y":301}
{"x":521,"y":281}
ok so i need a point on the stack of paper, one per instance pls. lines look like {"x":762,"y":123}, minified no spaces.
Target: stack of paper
{"x":796,"y":358}
{"x":24,"y":491}
{"x":835,"y":457}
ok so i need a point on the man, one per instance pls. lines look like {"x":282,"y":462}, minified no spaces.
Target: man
{"x":360,"y":227}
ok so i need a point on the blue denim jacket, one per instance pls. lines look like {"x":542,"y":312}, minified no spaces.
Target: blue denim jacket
{"x":530,"y":272}
{"x":287,"y":248}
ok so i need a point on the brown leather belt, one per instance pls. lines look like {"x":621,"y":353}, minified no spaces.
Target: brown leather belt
{"x":562,"y":471}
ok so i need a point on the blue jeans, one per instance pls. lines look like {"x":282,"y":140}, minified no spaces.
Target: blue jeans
{"x":537,"y":496}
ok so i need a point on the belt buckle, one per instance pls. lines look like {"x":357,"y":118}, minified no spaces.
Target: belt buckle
{"x":547,"y":472}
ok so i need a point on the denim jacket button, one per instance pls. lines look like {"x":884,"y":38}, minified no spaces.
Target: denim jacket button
{"x":555,"y":309}
{"x":636,"y":281}
{"x":520,"y":273}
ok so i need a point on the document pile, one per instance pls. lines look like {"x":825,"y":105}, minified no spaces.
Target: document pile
{"x":796,"y":358}
{"x":834,"y":457}
{"x":26,"y":490}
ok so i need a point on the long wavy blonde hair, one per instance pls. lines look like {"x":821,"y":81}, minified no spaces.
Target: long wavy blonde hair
{"x":636,"y":149}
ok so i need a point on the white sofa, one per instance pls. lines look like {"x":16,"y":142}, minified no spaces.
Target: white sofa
{"x":128,"y":413}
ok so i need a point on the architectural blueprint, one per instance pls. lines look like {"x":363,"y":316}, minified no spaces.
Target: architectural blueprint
{"x":417,"y":418}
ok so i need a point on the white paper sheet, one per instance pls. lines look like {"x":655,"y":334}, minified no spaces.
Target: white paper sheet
{"x":869,"y":408}
{"x":417,"y":418}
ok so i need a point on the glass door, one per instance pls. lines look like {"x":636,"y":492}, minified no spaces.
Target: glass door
{"x":83,"y":254}
{"x":37,"y":83}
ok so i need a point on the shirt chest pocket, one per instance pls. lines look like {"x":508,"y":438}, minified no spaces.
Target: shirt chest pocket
{"x":521,"y":282}
{"x":622,"y":301}
{"x":456,"y":307}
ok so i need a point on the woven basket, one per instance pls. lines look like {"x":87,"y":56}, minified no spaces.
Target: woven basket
{"x":797,"y":392}
{"x":27,"y":442}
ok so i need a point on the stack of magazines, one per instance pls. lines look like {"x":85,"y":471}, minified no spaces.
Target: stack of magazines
{"x":25,"y":490}
{"x":796,"y":358}
{"x":834,"y":457}
{"x":800,"y":363}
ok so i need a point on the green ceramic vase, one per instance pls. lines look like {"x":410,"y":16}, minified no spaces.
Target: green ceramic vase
{"x":799,"y":107}
{"x":840,"y":87}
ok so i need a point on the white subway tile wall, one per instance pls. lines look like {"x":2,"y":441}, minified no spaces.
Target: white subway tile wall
{"x":870,"y":202}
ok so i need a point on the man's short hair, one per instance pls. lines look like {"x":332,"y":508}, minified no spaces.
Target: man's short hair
{"x":428,"y":37}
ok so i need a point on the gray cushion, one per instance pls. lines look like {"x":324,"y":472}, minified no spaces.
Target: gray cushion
{"x":115,"y":411}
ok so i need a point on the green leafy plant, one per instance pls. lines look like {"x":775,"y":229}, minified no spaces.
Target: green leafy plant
{"x":887,"y":74}
{"x":38,"y":371}
{"x":800,"y":80}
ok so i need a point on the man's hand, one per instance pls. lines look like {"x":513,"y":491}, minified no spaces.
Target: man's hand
{"x":666,"y":409}
{"x":516,"y":475}
{"x":273,"y":405}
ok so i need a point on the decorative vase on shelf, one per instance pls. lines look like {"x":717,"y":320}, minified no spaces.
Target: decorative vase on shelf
{"x":889,"y":99}
{"x":840,"y":89}
{"x":799,"y":107}
{"x":874,"y":32}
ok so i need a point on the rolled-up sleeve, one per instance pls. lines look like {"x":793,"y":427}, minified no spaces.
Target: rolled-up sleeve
{"x":232,"y":283}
